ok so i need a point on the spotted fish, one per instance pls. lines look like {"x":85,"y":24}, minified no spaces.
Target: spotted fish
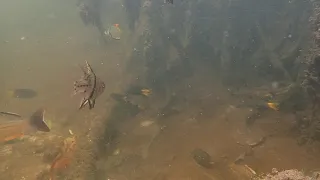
{"x":89,"y":86}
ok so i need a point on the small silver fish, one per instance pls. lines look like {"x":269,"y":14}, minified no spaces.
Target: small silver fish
{"x":90,"y":86}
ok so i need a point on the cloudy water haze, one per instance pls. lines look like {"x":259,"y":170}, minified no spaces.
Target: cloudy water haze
{"x":159,"y":90}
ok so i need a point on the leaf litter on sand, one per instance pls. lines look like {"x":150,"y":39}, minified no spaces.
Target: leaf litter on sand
{"x":146,"y":123}
{"x":291,"y":174}
{"x":15,"y":129}
{"x":64,"y":157}
{"x":6,"y":150}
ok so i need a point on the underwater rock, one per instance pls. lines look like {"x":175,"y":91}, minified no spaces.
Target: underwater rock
{"x":202,"y":158}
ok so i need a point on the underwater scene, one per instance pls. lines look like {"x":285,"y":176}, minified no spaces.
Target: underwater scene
{"x":160,"y":90}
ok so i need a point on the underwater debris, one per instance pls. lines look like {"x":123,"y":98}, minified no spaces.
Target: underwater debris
{"x":258,"y":143}
{"x":114,"y":32}
{"x":274,"y":106}
{"x":240,"y":158}
{"x":5,"y":150}
{"x":253,"y":116}
{"x":13,"y":129}
{"x":168,"y":1}
{"x":22,"y":93}
{"x":138,"y":90}
{"x":250,"y":169}
{"x":146,"y":123}
{"x":292,"y":174}
{"x":11,"y":114}
{"x":202,"y":158}
{"x":248,"y":152}
{"x":63,"y":159}
{"x":311,"y":81}
{"x":309,"y":128}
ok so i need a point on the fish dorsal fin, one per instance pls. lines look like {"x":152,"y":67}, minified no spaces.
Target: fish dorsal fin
{"x":37,"y":121}
{"x":89,"y":69}
{"x":84,"y":70}
{"x":91,"y":78}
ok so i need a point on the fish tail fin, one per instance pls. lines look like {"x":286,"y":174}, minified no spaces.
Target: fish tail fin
{"x":83,"y":103}
{"x":89,"y":69}
{"x":92,"y":102}
{"x":83,"y":69}
{"x":37,"y":121}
